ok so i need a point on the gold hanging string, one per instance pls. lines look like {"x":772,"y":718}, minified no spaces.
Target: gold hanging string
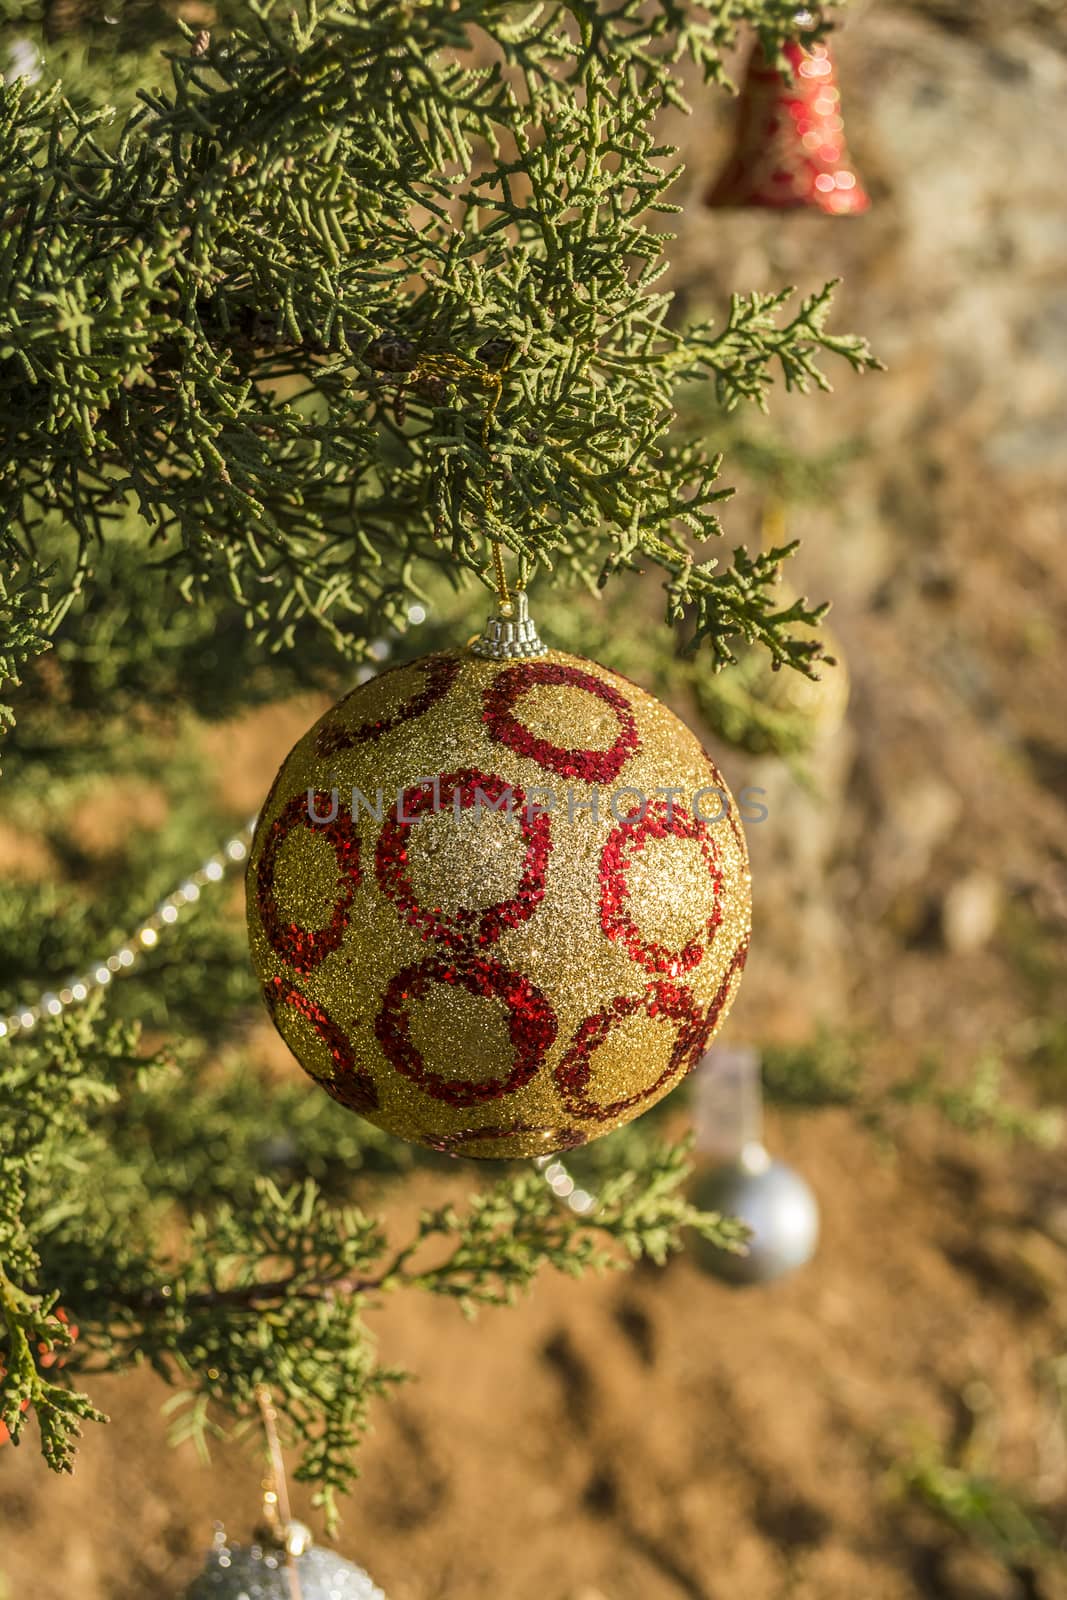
{"x":452,"y":368}
{"x":498,"y":551}
{"x":501,"y":576}
{"x":276,"y":1506}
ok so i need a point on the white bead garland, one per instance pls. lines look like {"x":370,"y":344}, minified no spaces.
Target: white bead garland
{"x":145,"y":937}
{"x":564,"y":1187}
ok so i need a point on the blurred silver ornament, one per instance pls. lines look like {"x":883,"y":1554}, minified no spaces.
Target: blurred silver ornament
{"x":770,"y":1199}
{"x":740,"y":1179}
{"x":260,"y":1572}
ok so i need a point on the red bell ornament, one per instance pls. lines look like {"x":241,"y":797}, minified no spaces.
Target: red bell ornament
{"x":789,"y":148}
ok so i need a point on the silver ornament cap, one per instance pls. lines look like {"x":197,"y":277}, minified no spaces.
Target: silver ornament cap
{"x":773,"y":1201}
{"x":510,"y":634}
{"x":258,"y":1572}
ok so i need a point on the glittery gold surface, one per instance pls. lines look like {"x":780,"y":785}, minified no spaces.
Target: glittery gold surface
{"x":553,"y":974}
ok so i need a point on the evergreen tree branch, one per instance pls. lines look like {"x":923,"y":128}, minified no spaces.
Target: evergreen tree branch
{"x":270,"y":1284}
{"x":263,"y":315}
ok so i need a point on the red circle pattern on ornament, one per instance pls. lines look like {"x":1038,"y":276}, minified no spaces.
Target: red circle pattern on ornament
{"x":671,"y":1002}
{"x":305,"y":948}
{"x":532,"y":1025}
{"x":532,"y":1021}
{"x":616,"y":859}
{"x":441,"y":672}
{"x":591,"y":766}
{"x":350,"y":1087}
{"x":461,"y":930}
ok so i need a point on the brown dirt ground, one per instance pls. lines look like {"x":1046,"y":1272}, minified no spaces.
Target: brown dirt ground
{"x":657,"y":1436}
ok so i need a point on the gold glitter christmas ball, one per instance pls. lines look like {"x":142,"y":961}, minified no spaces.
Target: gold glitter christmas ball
{"x":498,"y":907}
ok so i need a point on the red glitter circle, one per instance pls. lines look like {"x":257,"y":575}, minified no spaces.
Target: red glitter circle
{"x":305,"y":948}
{"x":531,"y":1025}
{"x":461,"y":930}
{"x":350,"y":1087}
{"x":591,"y":766}
{"x":672,"y":1003}
{"x":624,"y":841}
{"x":441,"y":671}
